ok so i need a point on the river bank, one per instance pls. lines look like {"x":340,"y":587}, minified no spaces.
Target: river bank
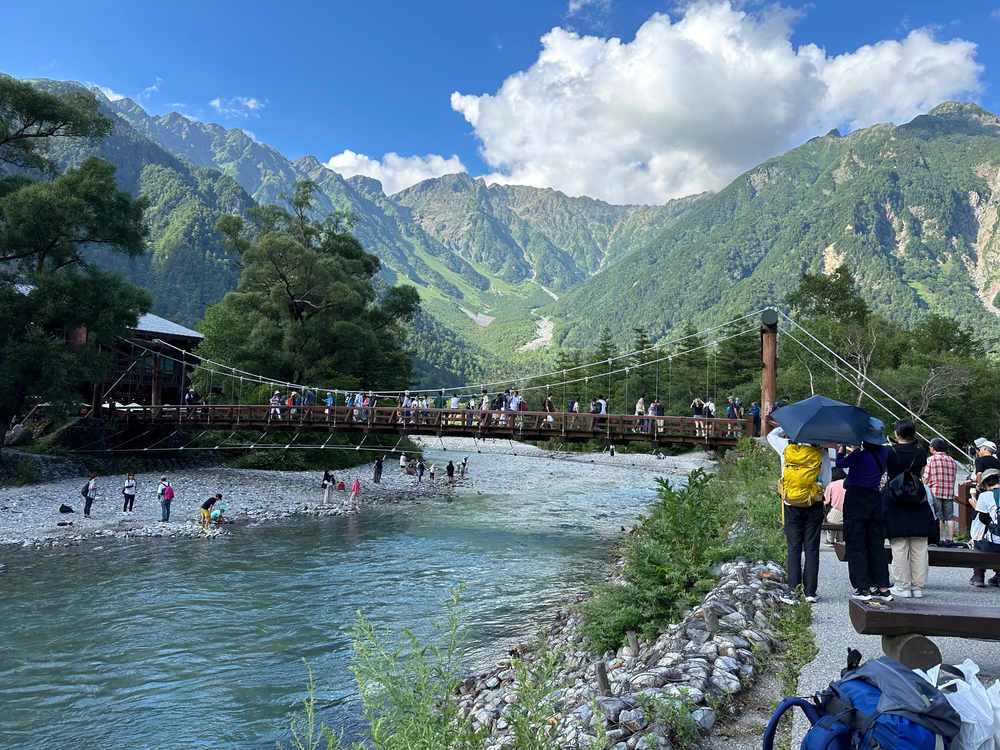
{"x":29,"y":515}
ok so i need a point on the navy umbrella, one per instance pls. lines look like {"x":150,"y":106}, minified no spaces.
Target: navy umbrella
{"x":822,"y":420}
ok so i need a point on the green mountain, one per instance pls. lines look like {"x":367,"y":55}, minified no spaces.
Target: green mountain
{"x":187,"y":267}
{"x":911,"y":209}
{"x":505,"y":272}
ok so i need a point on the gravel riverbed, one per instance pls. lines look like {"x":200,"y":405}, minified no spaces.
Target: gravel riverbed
{"x":29,"y":515}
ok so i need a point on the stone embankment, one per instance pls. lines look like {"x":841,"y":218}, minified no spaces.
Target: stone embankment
{"x":699,"y":665}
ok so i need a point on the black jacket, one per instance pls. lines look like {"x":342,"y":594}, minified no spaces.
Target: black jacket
{"x":905,"y":520}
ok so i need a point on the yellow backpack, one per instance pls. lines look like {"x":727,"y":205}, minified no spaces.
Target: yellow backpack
{"x":798,"y":485}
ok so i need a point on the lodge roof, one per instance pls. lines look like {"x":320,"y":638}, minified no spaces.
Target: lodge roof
{"x":150,"y":323}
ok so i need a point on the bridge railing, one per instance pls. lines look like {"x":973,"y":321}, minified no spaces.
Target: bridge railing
{"x":468,"y":422}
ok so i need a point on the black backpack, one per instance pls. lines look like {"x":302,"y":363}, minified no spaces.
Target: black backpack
{"x":906,"y":488}
{"x":570,"y":405}
{"x":85,"y":490}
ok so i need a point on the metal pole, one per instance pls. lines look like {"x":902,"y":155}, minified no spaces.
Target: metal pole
{"x":768,"y":366}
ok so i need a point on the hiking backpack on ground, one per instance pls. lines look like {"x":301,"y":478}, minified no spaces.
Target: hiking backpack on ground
{"x":881,"y":704}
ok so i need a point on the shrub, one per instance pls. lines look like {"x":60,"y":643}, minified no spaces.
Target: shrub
{"x":688,"y":527}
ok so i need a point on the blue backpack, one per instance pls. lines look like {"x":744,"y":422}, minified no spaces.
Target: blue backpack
{"x":881,"y":704}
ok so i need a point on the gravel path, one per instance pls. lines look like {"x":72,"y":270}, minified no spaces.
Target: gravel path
{"x":835,"y":634}
{"x":29,"y":515}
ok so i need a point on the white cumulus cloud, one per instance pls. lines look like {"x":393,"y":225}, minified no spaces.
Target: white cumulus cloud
{"x":111,"y":94}
{"x":395,"y":172}
{"x":238,"y":106}
{"x":694,"y":100}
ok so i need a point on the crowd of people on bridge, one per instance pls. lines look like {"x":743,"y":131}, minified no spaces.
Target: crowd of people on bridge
{"x":480,"y":410}
{"x":884,"y":490}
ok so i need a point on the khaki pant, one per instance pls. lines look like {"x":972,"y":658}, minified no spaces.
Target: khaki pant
{"x":834,"y":516}
{"x":909,"y":562}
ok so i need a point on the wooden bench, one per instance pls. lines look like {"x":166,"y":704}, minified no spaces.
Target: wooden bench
{"x":833,"y":527}
{"x":943,"y":557}
{"x":905,"y":625}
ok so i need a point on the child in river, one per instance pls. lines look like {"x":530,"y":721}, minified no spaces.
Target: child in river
{"x":432,"y":471}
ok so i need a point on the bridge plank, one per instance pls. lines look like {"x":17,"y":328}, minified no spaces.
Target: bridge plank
{"x":903,"y":617}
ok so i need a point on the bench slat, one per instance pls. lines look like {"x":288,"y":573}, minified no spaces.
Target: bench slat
{"x":902,"y":618}
{"x":943,"y":557}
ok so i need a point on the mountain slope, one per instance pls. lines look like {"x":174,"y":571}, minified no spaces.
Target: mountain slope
{"x":912,"y":211}
{"x":187,"y":267}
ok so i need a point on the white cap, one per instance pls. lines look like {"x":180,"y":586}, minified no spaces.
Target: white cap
{"x":980,"y":442}
{"x":990,"y":446}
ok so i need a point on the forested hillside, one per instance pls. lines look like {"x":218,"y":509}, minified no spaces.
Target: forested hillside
{"x":187,"y":267}
{"x":911,"y":210}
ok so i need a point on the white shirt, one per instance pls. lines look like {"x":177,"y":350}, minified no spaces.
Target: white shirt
{"x":602,"y":405}
{"x":129,"y":486}
{"x":454,"y":402}
{"x":985,"y":503}
{"x":161,"y":488}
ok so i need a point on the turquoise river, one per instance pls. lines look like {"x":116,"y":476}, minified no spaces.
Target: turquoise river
{"x":200,"y":644}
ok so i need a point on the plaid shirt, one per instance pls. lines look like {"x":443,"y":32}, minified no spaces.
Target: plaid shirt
{"x":940,"y":475}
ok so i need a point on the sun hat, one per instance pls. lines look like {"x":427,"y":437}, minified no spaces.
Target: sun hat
{"x":875,"y":434}
{"x":222,"y":507}
{"x":988,"y":474}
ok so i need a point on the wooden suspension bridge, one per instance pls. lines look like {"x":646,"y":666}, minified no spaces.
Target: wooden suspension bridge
{"x":612,"y":429}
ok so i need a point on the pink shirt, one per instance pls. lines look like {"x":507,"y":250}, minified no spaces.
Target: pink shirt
{"x":356,"y":487}
{"x":834,"y":495}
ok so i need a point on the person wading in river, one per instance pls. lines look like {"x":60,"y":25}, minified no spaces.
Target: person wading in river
{"x":450,"y":471}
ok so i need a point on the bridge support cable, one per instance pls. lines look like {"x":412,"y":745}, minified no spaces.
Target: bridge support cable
{"x":888,"y":410}
{"x":221,"y":368}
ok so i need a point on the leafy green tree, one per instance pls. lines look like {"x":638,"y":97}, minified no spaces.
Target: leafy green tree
{"x":306,"y":309}
{"x":48,"y":224}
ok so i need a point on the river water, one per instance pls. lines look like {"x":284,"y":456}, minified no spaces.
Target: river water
{"x":190,"y":643}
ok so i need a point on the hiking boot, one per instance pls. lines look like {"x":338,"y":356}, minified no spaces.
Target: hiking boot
{"x":994,"y":581}
{"x":881,"y":596}
{"x":978,"y":581}
{"x":862,"y":594}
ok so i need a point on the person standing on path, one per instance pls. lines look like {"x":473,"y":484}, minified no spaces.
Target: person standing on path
{"x":940,"y":476}
{"x":805,"y":470}
{"x":864,"y":524}
{"x":834,"y":497}
{"x":356,"y":494}
{"x":92,"y":488}
{"x":275,"y":411}
{"x":402,"y":463}
{"x":450,"y":471}
{"x":165,"y":494}
{"x":377,"y":470}
{"x":985,"y":529}
{"x":128,"y":492}
{"x":907,"y":524}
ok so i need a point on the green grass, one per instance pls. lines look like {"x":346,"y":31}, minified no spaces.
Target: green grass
{"x":688,"y":527}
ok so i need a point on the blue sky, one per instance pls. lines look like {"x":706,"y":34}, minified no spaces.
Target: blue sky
{"x":374,"y":78}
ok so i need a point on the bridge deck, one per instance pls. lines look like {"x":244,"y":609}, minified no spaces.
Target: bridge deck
{"x":524,"y":425}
